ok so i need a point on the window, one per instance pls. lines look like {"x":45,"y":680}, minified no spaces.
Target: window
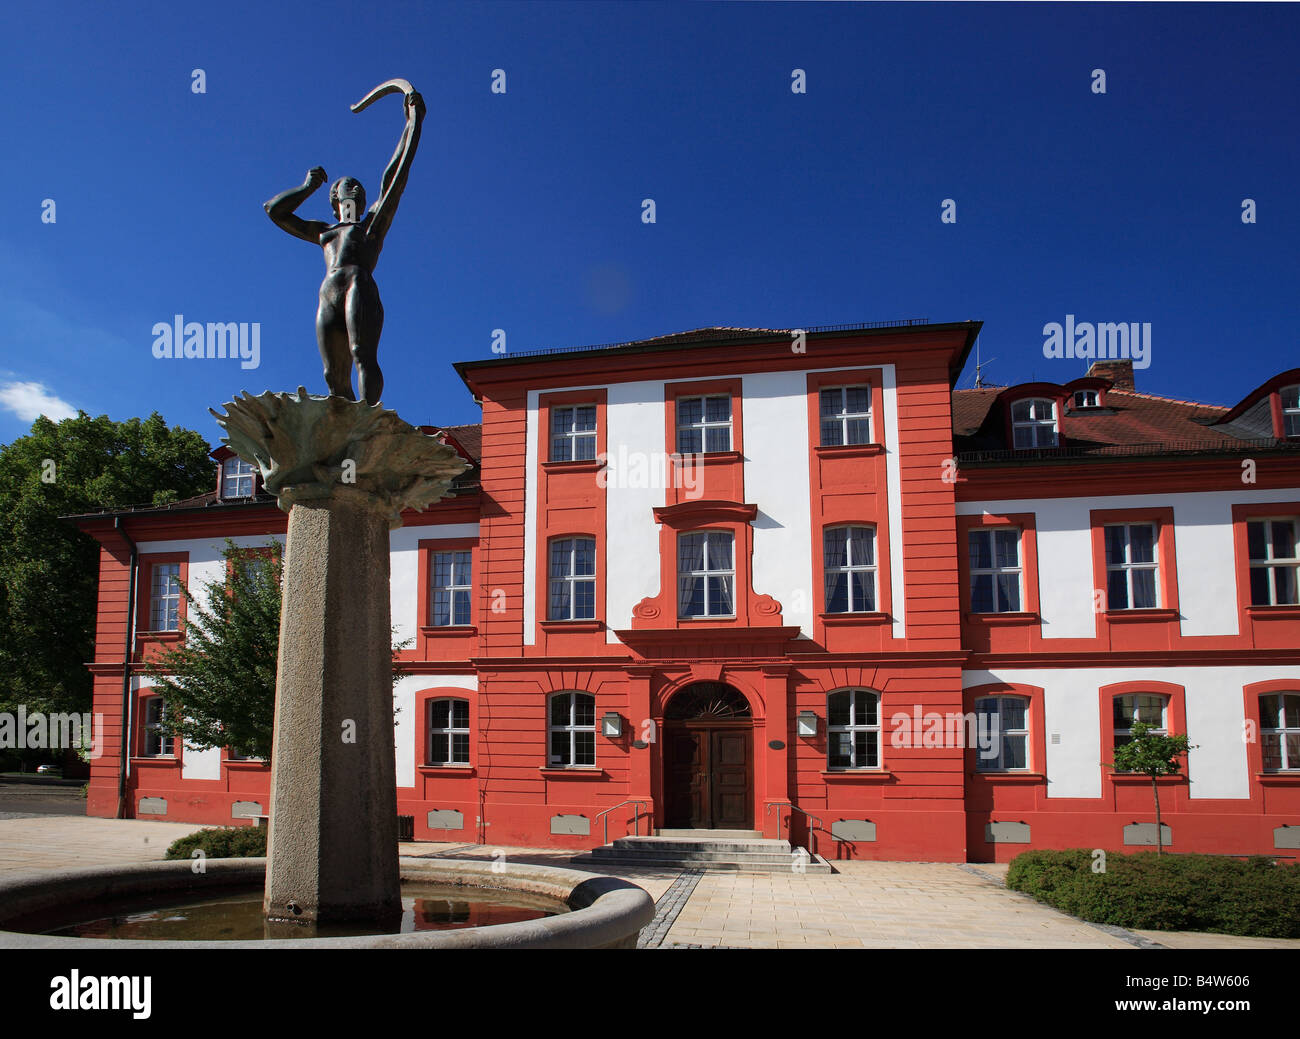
{"x":157,"y":739}
{"x":449,"y":732}
{"x":703,"y":424}
{"x":850,"y":558}
{"x":1033,"y":424}
{"x":1132,"y":573}
{"x":706,"y":574}
{"x":853,"y":729}
{"x":573,"y":433}
{"x":237,"y":478}
{"x":573,"y":730}
{"x":236,"y":754}
{"x":1274,"y":561}
{"x":846,"y":415}
{"x":1004,"y":721}
{"x":450,"y":582}
{"x":165,"y":597}
{"x":1279,"y":731}
{"x":573,"y":579}
{"x":1086,"y":399}
{"x":1291,"y":411}
{"x":1148,"y":708}
{"x":995,"y":571}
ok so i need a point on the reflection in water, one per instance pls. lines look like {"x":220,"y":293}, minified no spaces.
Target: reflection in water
{"x":237,"y":916}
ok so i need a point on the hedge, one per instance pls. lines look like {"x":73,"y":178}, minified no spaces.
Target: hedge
{"x":222,"y":842}
{"x":1170,"y":892}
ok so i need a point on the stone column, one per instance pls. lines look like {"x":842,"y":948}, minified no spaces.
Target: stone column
{"x":344,"y":471}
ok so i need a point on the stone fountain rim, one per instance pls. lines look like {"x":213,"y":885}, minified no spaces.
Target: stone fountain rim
{"x":605,"y":912}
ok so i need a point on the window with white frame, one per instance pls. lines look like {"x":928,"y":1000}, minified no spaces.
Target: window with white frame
{"x":703,"y":424}
{"x":237,"y":478}
{"x":1132,"y":570}
{"x":573,"y":433}
{"x":845,"y":415}
{"x":1279,"y":731}
{"x":1274,"y":546}
{"x":572,"y":730}
{"x":450,"y":583}
{"x":1148,"y":708}
{"x":573,"y":579}
{"x":853,"y":729}
{"x":995,"y":570}
{"x":157,"y":738}
{"x":448,"y":732}
{"x":1033,"y":423}
{"x":165,"y":597}
{"x":1002,"y":733}
{"x":706,"y":574}
{"x":1086,"y":399}
{"x":1291,"y":411}
{"x":849,"y":554}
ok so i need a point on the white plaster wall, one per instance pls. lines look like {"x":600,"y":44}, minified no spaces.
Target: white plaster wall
{"x":1203,"y":551}
{"x":404,"y":561}
{"x":406,"y":726}
{"x":776,"y":472}
{"x":1217,"y":768}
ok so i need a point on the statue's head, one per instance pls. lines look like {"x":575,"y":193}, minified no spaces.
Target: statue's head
{"x":348,"y":188}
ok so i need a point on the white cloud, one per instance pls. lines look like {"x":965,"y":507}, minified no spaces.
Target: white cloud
{"x":27,"y":400}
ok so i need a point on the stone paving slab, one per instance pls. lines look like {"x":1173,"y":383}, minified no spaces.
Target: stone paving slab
{"x":69,"y":841}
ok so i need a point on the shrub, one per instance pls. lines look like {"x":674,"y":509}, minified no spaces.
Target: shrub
{"x":1166,"y":892}
{"x":222,"y":842}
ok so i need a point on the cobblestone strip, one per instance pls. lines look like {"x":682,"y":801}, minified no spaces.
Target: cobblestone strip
{"x":667,"y":908}
{"x":1111,"y":929}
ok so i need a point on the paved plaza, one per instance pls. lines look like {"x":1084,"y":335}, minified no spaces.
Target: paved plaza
{"x":884,"y":905}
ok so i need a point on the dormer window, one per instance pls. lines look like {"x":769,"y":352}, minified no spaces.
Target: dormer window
{"x":1291,"y":411}
{"x":237,"y":478}
{"x":1033,"y":423}
{"x":1086,"y":399}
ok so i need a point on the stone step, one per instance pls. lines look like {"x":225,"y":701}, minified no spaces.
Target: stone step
{"x":647,"y":860}
{"x":714,"y":834}
{"x":632,"y":855}
{"x":700,"y":844}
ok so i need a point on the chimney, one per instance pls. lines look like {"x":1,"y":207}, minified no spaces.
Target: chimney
{"x":1120,"y":373}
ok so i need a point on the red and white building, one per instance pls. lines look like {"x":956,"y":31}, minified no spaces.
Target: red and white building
{"x":727,"y":572}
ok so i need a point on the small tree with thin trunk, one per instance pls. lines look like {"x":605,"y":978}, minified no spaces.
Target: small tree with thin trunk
{"x":1151,"y":754}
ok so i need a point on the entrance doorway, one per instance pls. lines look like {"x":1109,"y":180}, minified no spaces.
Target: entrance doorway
{"x":709,"y":759}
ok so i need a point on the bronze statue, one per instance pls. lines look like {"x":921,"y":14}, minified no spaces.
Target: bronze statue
{"x":351,"y":317}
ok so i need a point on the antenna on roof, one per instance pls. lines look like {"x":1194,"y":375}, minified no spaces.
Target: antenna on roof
{"x":979,"y":366}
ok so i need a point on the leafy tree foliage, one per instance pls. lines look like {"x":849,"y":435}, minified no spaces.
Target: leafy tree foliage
{"x":49,"y":569}
{"x":1151,"y":754}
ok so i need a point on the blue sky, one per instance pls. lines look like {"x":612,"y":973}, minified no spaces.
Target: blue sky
{"x":523,"y":211}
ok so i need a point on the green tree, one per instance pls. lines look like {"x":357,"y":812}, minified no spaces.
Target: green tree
{"x":218,"y":683}
{"x":1151,"y":754}
{"x":49,"y":569}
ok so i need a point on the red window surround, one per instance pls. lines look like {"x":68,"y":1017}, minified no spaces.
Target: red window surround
{"x":1037,"y":771}
{"x":1167,"y":579}
{"x":818,"y":381}
{"x":543,"y":599}
{"x":426,"y":548}
{"x":1254,"y":752}
{"x":723,"y":471}
{"x":1026,"y":522}
{"x":144,"y":594}
{"x":1175,"y":724}
{"x":138,"y":756}
{"x":1241,"y":516}
{"x":547,"y":401}
{"x":423,"y":705}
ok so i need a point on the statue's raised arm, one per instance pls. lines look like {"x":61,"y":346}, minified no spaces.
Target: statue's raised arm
{"x":393,"y":182}
{"x":281,"y":208}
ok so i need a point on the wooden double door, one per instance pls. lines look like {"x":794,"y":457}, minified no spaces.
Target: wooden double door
{"x":709,"y":775}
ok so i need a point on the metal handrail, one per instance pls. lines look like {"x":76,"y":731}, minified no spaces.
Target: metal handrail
{"x":814,"y":821}
{"x":636,"y":817}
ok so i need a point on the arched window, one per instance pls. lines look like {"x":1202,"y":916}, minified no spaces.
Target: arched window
{"x":1279,"y":731}
{"x":849,"y":554}
{"x":853,"y":729}
{"x":448,"y":732}
{"x":1291,"y":411}
{"x":1033,"y":423}
{"x":573,"y":579}
{"x":572,"y":731}
{"x":157,"y":737}
{"x":1149,"y":708}
{"x":1002,"y":729}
